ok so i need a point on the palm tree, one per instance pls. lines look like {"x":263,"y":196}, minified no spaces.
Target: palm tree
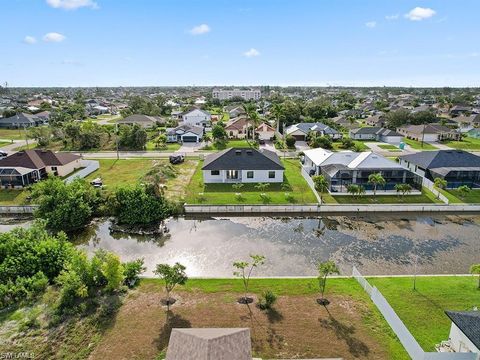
{"x":353,"y":190}
{"x":376,"y":179}
{"x":277,"y":112}
{"x":440,"y":183}
{"x":249,"y":109}
{"x":475,"y":270}
{"x":321,"y":184}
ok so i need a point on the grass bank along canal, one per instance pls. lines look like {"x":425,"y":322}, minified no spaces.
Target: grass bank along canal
{"x":376,"y":244}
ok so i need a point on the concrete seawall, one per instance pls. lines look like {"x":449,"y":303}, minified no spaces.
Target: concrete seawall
{"x":191,"y":209}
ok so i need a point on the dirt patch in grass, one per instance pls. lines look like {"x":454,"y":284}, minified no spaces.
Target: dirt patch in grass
{"x":298,"y":327}
{"x":176,"y":188}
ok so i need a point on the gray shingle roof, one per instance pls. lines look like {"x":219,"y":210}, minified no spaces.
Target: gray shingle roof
{"x":37,"y":159}
{"x":306,"y":127}
{"x":243,"y":159}
{"x":468,"y":322}
{"x":443,"y":159}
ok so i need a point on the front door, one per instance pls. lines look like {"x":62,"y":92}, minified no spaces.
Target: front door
{"x":232,"y":174}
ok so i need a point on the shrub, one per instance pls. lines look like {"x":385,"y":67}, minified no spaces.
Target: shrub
{"x":290,"y":141}
{"x":267,"y":300}
{"x":131,"y":272}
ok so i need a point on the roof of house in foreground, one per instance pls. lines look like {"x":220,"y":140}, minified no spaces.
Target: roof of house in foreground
{"x":37,"y":159}
{"x":443,"y":159}
{"x":468,"y":322}
{"x":243,"y":159}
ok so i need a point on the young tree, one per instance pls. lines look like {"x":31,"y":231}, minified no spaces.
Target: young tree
{"x":376,"y":180}
{"x":352,"y":189}
{"x":244,"y":271}
{"x":172,"y":276}
{"x":219,"y":133}
{"x":262,"y":186}
{"x":463,"y":190}
{"x":324,"y":270}
{"x":321,"y":184}
{"x":440,"y":183}
{"x":403,"y":188}
{"x":475,"y":270}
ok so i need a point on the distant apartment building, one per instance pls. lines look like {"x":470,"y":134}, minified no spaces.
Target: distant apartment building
{"x":252,"y":94}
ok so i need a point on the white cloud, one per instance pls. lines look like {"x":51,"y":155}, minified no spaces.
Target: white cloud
{"x":420,"y":13}
{"x":371,"y":24}
{"x":53,"y":37}
{"x":392,"y":17}
{"x":251,"y":53}
{"x":200,"y":29}
{"x":29,"y":40}
{"x":72,"y":4}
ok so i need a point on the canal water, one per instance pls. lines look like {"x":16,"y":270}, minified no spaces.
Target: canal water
{"x":293,"y":246}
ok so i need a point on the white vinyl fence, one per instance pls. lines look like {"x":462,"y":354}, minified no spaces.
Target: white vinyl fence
{"x":431,"y":186}
{"x":406,"y":338}
{"x":310,"y":183}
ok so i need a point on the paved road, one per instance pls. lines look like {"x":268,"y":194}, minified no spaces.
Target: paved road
{"x":10,"y":148}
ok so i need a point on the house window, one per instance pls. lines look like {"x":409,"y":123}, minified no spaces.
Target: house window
{"x":249,"y":174}
{"x":271,"y":174}
{"x":215,"y":172}
{"x":54,"y":168}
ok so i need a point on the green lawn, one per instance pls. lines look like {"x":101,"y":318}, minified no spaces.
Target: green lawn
{"x":170,"y":147}
{"x":233,"y":143}
{"x":425,"y":198}
{"x":468,"y":143}
{"x":121,"y":172}
{"x":418,"y":145}
{"x":13,"y":197}
{"x":454,"y":197}
{"x":422,"y":310}
{"x":3,"y":143}
{"x":225,"y":194}
{"x":27,"y":147}
{"x":12,"y":134}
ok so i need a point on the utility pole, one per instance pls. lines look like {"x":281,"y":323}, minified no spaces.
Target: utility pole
{"x":423,"y":133}
{"x":116,"y":137}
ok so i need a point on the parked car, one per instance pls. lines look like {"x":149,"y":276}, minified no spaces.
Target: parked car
{"x":176,"y":159}
{"x":3,"y":154}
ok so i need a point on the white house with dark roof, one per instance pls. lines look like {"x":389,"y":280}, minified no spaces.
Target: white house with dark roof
{"x":243,"y":165}
{"x":300,"y":131}
{"x":464,"y":332}
{"x":376,"y":134}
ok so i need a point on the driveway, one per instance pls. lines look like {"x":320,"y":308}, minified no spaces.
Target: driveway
{"x":301,"y":145}
{"x":190,"y":147}
{"x":441,"y":146}
{"x":268,"y":146}
{"x":385,"y":152}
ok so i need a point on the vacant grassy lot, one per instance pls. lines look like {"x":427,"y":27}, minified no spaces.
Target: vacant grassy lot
{"x":425,"y":198}
{"x":115,"y":173}
{"x":467,"y":143}
{"x":225,"y":194}
{"x":350,"y":327}
{"x":170,"y":147}
{"x":389,"y":147}
{"x":233,"y":143}
{"x":422,"y":308}
{"x":418,"y":145}
{"x":337,"y":146}
{"x":12,"y":134}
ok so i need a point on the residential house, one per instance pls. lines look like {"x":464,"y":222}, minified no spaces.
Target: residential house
{"x":375,"y":120}
{"x":243,"y":165}
{"x":265,"y":132}
{"x":429,"y":132}
{"x":377,"y":134}
{"x":185,"y":133}
{"x":44,"y":115}
{"x":344,"y":122}
{"x":467,"y":123}
{"x":300,"y":131}
{"x":456,"y":166}
{"x":237,"y":128}
{"x":460,"y":110}
{"x":144,"y":121}
{"x":27,"y":167}
{"x":343,"y":168}
{"x":235,"y":111}
{"x":465,"y":331}
{"x":196,"y":117}
{"x":21,"y":120}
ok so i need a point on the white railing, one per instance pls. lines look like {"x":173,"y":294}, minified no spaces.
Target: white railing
{"x":431,"y":186}
{"x":406,"y":338}
{"x":310,"y":183}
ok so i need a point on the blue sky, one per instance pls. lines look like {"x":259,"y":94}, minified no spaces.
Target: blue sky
{"x":233,"y":42}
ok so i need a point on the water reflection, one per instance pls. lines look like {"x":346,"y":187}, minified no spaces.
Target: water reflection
{"x":376,"y":245}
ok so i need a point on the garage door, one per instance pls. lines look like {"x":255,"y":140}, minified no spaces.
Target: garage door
{"x":189,"y":139}
{"x":299,"y":137}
